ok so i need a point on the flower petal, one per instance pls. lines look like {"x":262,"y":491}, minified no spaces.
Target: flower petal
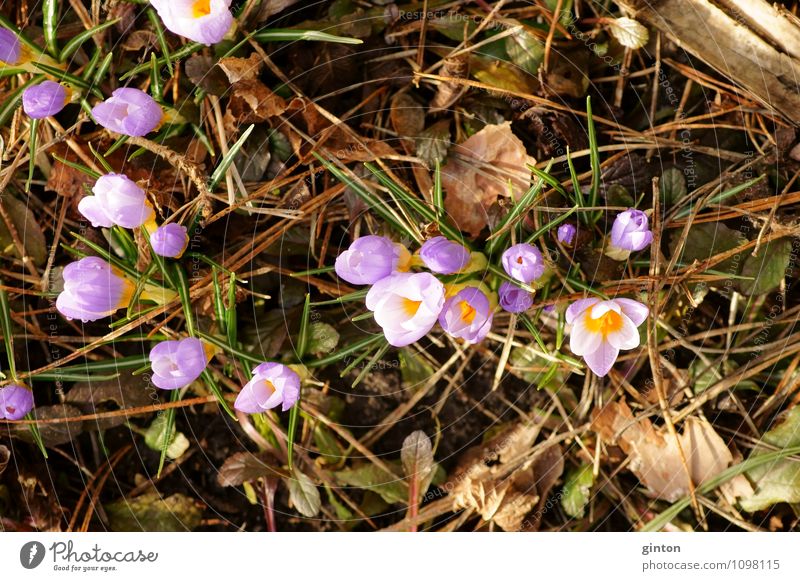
{"x":634,"y":310}
{"x":581,"y":339}
{"x":627,"y":337}
{"x":578,"y":307}
{"x":601,"y":360}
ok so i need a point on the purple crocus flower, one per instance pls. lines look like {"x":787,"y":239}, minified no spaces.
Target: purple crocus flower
{"x":514,"y":299}
{"x":44,"y":100}
{"x":117,"y":200}
{"x":444,"y":256}
{"x":631,"y":231}
{"x":204,"y":21}
{"x":10,"y":47}
{"x":601,"y":328}
{"x":273,"y":384}
{"x":176,"y":364}
{"x":371,"y":258}
{"x":15,"y":402}
{"x":129,"y":111}
{"x":93,"y":289}
{"x":467,"y":315}
{"x":566,"y":234}
{"x":523,"y":262}
{"x":170,"y":240}
{"x":406,"y":306}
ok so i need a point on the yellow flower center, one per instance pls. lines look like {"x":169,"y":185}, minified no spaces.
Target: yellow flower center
{"x":411,"y":307}
{"x":467,"y":312}
{"x":201,"y":8}
{"x":404,"y":261}
{"x":608,"y":322}
{"x":269,"y":387}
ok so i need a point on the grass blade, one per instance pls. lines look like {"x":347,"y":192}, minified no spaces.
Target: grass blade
{"x":227,"y":160}
{"x":75,"y":43}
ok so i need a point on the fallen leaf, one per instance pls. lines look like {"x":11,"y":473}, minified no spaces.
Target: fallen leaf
{"x":246,"y":466}
{"x":241,"y":69}
{"x":767,"y":269}
{"x":28,"y":230}
{"x":488,"y":165}
{"x":151,"y":513}
{"x":53,"y":434}
{"x":577,"y":487}
{"x":628,"y":32}
{"x":654,"y":455}
{"x":417,"y":458}
{"x":777,"y":481}
{"x":204,"y":72}
{"x":126,"y":391}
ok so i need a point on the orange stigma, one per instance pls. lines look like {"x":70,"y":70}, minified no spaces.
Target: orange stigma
{"x":201,"y":8}
{"x":609,"y":322}
{"x":467,"y":312}
{"x":411,"y":307}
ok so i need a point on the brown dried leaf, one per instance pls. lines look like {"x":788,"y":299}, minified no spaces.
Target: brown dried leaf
{"x":240,"y":69}
{"x":204,"y":73}
{"x":654,"y":455}
{"x":449,"y":92}
{"x":253,"y":102}
{"x":499,"y":479}
{"x":245,"y":466}
{"x":124,"y":392}
{"x":488,"y":165}
{"x":57,"y":433}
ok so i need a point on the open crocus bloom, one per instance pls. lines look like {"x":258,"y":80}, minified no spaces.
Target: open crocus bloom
{"x":176,"y":364}
{"x":273,"y":384}
{"x":116,"y":200}
{"x":15,"y":402}
{"x":371,"y":258}
{"x":129,"y":111}
{"x":93,"y":289}
{"x":170,"y":240}
{"x":444,"y":256}
{"x":205,"y":21}
{"x":467,"y":315}
{"x":601,"y":328}
{"x":44,"y":100}
{"x":406,"y":306}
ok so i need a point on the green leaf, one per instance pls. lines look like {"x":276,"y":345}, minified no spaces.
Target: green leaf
{"x":149,"y":512}
{"x":50,"y":25}
{"x":672,"y":186}
{"x":75,"y":43}
{"x":323,"y":338}
{"x":304,"y":495}
{"x":370,"y":477}
{"x":414,"y":369}
{"x":766,"y":269}
{"x":525,"y":50}
{"x":777,"y":481}
{"x":159,"y":435}
{"x":706,"y":240}
{"x":327,"y":444}
{"x":577,"y":487}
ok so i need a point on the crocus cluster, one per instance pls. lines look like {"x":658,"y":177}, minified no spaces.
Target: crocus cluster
{"x":524,"y":263}
{"x":407,"y":304}
{"x":203,"y":21}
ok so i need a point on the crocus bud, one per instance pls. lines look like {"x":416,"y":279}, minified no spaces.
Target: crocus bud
{"x":631,"y":231}
{"x":514,"y":299}
{"x":204,"y":21}
{"x":46,"y":99}
{"x":129,"y":111}
{"x":117,"y":200}
{"x":273,"y":385}
{"x":467,"y":315}
{"x":15,"y":402}
{"x":11,"y":50}
{"x":93,"y":289}
{"x":566,"y":234}
{"x":176,"y":364}
{"x":406,"y":306}
{"x":443,"y":256}
{"x":523,"y":262}
{"x":371,"y":258}
{"x":599,"y":329}
{"x":170,"y":240}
